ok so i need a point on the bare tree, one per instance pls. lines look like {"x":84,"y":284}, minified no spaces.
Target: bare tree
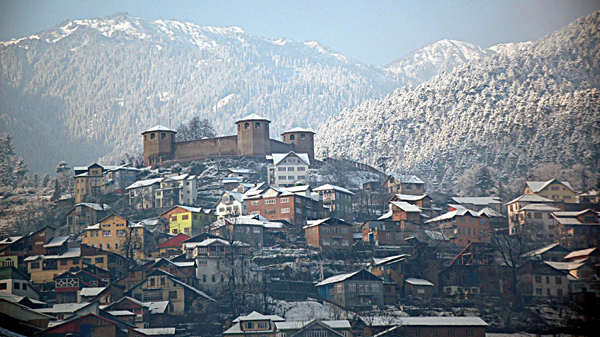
{"x":132,"y":241}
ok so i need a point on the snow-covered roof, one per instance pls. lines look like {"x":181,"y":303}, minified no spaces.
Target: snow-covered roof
{"x":336,"y":222}
{"x":298,"y":129}
{"x":386,"y":215}
{"x":537,"y":186}
{"x":442,"y":321}
{"x":156,"y":331}
{"x":63,"y":308}
{"x":159,"y":128}
{"x":573,"y":213}
{"x":278,"y":157}
{"x":69,"y":253}
{"x":121,"y":313}
{"x":461,"y":211}
{"x":327,"y":187}
{"x":91,"y":291}
{"x":565,"y":266}
{"x":10,"y":239}
{"x":566,"y":221}
{"x":540,"y":208}
{"x":236,"y":195}
{"x":389,"y":259}
{"x":540,"y":250}
{"x":159,"y":307}
{"x":240,"y":170}
{"x":580,"y":253}
{"x":409,"y":197}
{"x":297,"y":325}
{"x":337,"y":278}
{"x":406,"y":178}
{"x":252,"y":117}
{"x":144,"y":183}
{"x":56,"y":241}
{"x":418,"y":282}
{"x":94,"y":206}
{"x":256,"y":316}
{"x":529,"y":198}
{"x":181,"y":177}
{"x":480,"y":201}
{"x":406,"y":206}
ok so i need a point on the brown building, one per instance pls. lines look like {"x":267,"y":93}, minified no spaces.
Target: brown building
{"x":357,"y":290}
{"x":404,"y":184}
{"x":437,"y":326}
{"x":577,"y":230}
{"x":83,"y":215}
{"x":252,"y":139}
{"x":329,"y":233}
{"x":15,"y":250}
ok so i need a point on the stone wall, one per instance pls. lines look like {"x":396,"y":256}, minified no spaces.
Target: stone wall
{"x":281,"y":147}
{"x":204,"y":148}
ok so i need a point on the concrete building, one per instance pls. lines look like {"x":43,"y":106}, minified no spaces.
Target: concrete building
{"x":337,"y":199}
{"x":287,"y":169}
{"x":559,"y":191}
{"x":329,"y":233}
{"x":356,"y":290}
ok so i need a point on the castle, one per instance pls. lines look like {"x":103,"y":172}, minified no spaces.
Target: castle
{"x":252,"y":140}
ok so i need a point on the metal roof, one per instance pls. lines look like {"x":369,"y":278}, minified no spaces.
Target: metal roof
{"x":278,"y":157}
{"x":159,"y":128}
{"x":332,"y":187}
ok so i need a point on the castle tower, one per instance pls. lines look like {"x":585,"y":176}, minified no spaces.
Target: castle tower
{"x":159,"y":145}
{"x":253,"y":136}
{"x":303,"y":140}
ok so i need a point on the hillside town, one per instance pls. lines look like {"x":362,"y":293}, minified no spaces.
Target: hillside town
{"x":248,"y":235}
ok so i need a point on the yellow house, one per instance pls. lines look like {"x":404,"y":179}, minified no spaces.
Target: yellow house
{"x":88,"y":181}
{"x":188,"y":220}
{"x":115,"y":233}
{"x":552,"y":189}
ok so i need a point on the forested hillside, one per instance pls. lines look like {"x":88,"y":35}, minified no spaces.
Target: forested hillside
{"x":510,"y":111}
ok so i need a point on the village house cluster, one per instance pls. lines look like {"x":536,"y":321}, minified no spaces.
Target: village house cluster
{"x":102,"y":273}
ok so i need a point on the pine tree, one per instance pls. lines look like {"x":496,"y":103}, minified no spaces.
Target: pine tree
{"x":484,"y":180}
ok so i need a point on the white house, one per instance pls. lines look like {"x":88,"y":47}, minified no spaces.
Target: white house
{"x":177,"y":190}
{"x":231,"y":204}
{"x":285,"y":169}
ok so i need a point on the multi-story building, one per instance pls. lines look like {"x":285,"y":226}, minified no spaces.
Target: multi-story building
{"x":245,"y":228}
{"x":540,"y":279}
{"x":287,"y":169}
{"x":13,"y":281}
{"x":83,"y":215}
{"x":478,"y":203}
{"x":464,"y":225}
{"x":514,"y":209}
{"x":437,"y":326}
{"x":141,"y":193}
{"x":537,"y":220}
{"x":576,"y":230}
{"x":177,"y":189}
{"x":356,"y":290}
{"x":337,"y":199}
{"x":16,"y":249}
{"x":115,"y":233}
{"x":118,"y":178}
{"x":329,"y":233}
{"x":232,"y":203}
{"x":188,"y":220}
{"x":88,"y":181}
{"x":559,"y":191}
{"x":255,"y":324}
{"x":404,"y":184}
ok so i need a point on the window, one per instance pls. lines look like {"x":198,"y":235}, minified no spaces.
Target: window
{"x":246,"y":125}
{"x":340,"y":288}
{"x":255,"y":203}
{"x":203,"y":278}
{"x":292,"y":137}
{"x":345,"y":243}
{"x":256,"y":230}
{"x":94,"y":234}
{"x":152,"y":136}
{"x":301,"y":177}
{"x":270,"y":202}
{"x":257,"y":125}
{"x":270,"y":211}
{"x":538,"y":279}
{"x":537,"y":215}
{"x":559,"y":292}
{"x":3,"y":286}
{"x":174,"y":218}
{"x":557,"y":280}
{"x":163,"y":135}
{"x":106,"y":233}
{"x":262,"y":325}
{"x":555,"y":188}
{"x":17,"y":285}
{"x":284,"y":200}
{"x":326,"y":242}
{"x":108,"y":246}
{"x":63,"y":262}
{"x":548,"y":292}
{"x":121,"y":232}
{"x":375,"y":288}
{"x":24,"y":286}
{"x":185,"y":217}
{"x":471,"y":219}
{"x":352,"y":287}
{"x":301,"y":168}
{"x":291,"y":168}
{"x":249,"y":325}
{"x":99,"y":260}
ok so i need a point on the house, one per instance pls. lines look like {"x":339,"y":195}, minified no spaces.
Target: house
{"x":104,"y":295}
{"x":86,"y":325}
{"x":478,"y":203}
{"x":437,"y":326}
{"x":151,"y":332}
{"x":19,"y":319}
{"x":514,"y":209}
{"x":63,"y":312}
{"x":286,"y":169}
{"x":88,"y":181}
{"x":475,"y":271}
{"x":423,"y":201}
{"x":221,"y":264}
{"x":275,"y":203}
{"x":249,"y":229}
{"x":540,"y":279}
{"x":463,"y":225}
{"x":418,"y":287}
{"x":141,"y":193}
{"x":554,"y":253}
{"x":160,"y":285}
{"x":13,"y":281}
{"x":171,"y":247}
{"x":84,"y":214}
{"x":582,"y":276}
{"x":397,"y":183}
{"x":315,"y":327}
{"x":578,"y":229}
{"x":188,"y":220}
{"x":176,"y":189}
{"x":329,"y":233}
{"x":118,"y":235}
{"x":185,"y":271}
{"x":255,"y":324}
{"x":403,"y":212}
{"x":116,"y":179}
{"x":591,"y":254}
{"x":390,"y":268}
{"x":356,"y":290}
{"x":337,"y":199}
{"x":559,"y":191}
{"x":386,"y":232}
{"x":590,"y":197}
{"x":17,"y":249}
{"x":68,"y":285}
{"x":232,"y":203}
{"x":538,"y":221}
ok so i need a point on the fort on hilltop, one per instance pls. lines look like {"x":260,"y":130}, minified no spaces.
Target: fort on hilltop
{"x":252,"y":140}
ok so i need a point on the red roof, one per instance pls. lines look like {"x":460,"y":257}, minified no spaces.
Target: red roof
{"x":174,"y":242}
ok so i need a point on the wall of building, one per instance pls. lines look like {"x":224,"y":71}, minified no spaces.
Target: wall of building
{"x":212,"y":147}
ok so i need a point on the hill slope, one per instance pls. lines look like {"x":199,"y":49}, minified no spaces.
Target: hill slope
{"x":509,"y":111}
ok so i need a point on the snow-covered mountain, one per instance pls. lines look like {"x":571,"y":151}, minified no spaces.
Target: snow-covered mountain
{"x":510,"y":111}
{"x":436,"y":58}
{"x":84,"y":89}
{"x":510,"y":48}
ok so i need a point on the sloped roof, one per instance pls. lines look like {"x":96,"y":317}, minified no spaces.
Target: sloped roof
{"x":389,"y":259}
{"x":174,"y":242}
{"x":386,"y":215}
{"x":435,"y":321}
{"x":537,"y":186}
{"x":298,"y":129}
{"x":159,"y":128}
{"x":144,"y":183}
{"x":326,"y":221}
{"x":332,"y":187}
{"x":236,"y":195}
{"x":580,"y":253}
{"x":409,"y":197}
{"x":156,"y":308}
{"x":91,"y":291}
{"x":540,"y":208}
{"x":337,"y":278}
{"x":278,"y":157}
{"x":477,"y":200}
{"x":256,"y":316}
{"x":418,"y":282}
{"x":406,"y":178}
{"x":406,"y":206}
{"x":543,"y":250}
{"x":530,"y":198}
{"x":252,"y":117}
{"x":56,"y":241}
{"x":155,"y":331}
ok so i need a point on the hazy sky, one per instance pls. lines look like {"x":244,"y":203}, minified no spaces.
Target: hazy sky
{"x":375,"y":32}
